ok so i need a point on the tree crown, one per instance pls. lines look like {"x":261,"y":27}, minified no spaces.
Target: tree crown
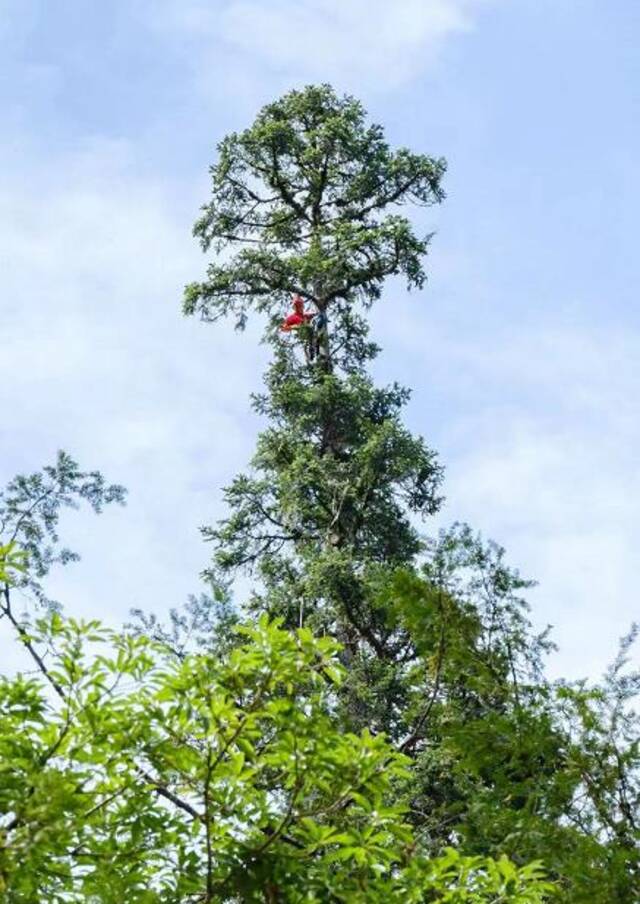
{"x":307,"y":200}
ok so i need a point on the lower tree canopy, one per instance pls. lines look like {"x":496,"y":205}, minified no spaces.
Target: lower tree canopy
{"x":151,"y":777}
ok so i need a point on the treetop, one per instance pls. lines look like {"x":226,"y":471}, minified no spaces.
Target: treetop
{"x":308,"y":200}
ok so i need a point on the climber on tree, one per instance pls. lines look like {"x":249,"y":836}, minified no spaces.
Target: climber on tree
{"x":299,"y":316}
{"x":302,"y":319}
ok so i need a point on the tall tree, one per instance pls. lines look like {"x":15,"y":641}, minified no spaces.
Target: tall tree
{"x":438,"y":650}
{"x":307,"y":202}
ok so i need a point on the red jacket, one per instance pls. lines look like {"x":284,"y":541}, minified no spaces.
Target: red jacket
{"x":298,"y":317}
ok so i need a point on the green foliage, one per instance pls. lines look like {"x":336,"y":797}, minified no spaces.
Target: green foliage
{"x":333,"y":476}
{"x":603,"y":723}
{"x":153,"y":778}
{"x":12,"y":562}
{"x":30,"y":508}
{"x":303,"y":196}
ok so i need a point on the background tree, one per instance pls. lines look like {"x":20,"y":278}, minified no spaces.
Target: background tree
{"x":131,"y":773}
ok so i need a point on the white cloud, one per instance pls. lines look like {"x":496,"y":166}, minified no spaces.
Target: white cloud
{"x":95,"y":358}
{"x":539,"y":436}
{"x":354,"y":43}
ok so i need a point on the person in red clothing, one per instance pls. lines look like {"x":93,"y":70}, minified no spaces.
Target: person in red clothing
{"x":299,"y":316}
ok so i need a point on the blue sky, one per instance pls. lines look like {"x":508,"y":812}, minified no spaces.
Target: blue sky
{"x":523,"y":350}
